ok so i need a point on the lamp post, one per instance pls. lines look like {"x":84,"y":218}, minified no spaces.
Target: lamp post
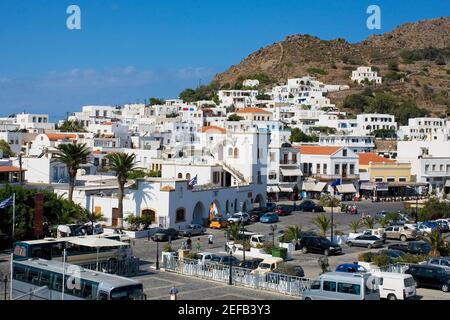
{"x":244,"y":242}
{"x":157,"y":253}
{"x":230,"y":254}
{"x":273,"y":227}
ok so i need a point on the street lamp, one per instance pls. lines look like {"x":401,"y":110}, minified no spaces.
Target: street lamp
{"x":230,"y":252}
{"x":157,"y":253}
{"x":244,"y":242}
{"x":273,"y":227}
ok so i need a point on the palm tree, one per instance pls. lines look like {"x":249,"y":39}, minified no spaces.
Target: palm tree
{"x":121,"y":164}
{"x":293,"y":232}
{"x":355,"y":225}
{"x":72,"y":155}
{"x":436,"y":241}
{"x":332,"y":202}
{"x":323,"y":223}
{"x":383,"y":222}
{"x":235,"y":228}
{"x":370,"y":222}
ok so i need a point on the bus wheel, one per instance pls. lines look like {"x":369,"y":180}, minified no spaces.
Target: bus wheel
{"x":391,"y":297}
{"x":445,"y":287}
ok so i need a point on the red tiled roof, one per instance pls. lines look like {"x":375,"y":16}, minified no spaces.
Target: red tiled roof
{"x":212,"y":128}
{"x":319,"y":150}
{"x":61,"y":136}
{"x":10,"y":169}
{"x":253,"y":110}
{"x":367,"y":157}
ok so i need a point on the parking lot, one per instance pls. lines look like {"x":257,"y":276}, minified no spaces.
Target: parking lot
{"x":158,"y":283}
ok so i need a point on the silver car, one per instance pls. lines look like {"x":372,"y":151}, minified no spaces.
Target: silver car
{"x":192,"y":230}
{"x":443,"y":263}
{"x":368,"y":241}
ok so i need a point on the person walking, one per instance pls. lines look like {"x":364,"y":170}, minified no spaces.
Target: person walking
{"x":189,"y":243}
{"x":210,"y":240}
{"x":199,"y":244}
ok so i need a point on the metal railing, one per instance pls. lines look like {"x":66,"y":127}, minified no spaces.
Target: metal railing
{"x":396,"y":267}
{"x":119,"y":267}
{"x":280,"y":283}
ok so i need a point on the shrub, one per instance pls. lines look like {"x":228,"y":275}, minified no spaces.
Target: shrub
{"x":366,"y":257}
{"x":167,"y":248}
{"x":235,"y":117}
{"x":268,"y":247}
{"x":381,"y":260}
{"x":317,"y":71}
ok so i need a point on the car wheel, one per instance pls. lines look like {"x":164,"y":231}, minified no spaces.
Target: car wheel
{"x":326,"y":252}
{"x":403,"y":238}
{"x":349,"y":244}
{"x":445,"y":288}
{"x":391,"y":296}
{"x":308,"y":299}
{"x":305,"y":250}
{"x":369,"y":246}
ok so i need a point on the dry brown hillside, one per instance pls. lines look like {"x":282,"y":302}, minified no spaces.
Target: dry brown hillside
{"x":425,"y":80}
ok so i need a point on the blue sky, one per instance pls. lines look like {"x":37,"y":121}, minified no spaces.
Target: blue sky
{"x":130,"y":50}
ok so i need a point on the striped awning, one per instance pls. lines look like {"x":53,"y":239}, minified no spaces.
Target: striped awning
{"x":286,"y":189}
{"x":346,"y":188}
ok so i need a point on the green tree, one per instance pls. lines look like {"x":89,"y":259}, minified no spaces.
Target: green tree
{"x":121,"y":164}
{"x":382,"y":222}
{"x":234,"y":228}
{"x":72,"y":126}
{"x":355,"y":225}
{"x":292,"y":234}
{"x":434,"y":209}
{"x":370,"y":222}
{"x":6,"y":149}
{"x":156,"y":101}
{"x":298,"y":135}
{"x":73,"y":156}
{"x":323,"y":223}
{"x":436,"y":241}
{"x":234,"y":117}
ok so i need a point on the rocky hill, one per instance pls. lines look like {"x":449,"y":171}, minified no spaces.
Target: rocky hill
{"x":413,"y":60}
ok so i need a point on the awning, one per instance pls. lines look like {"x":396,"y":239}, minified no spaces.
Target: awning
{"x":346,"y":188}
{"x":447,"y":183}
{"x":273,"y":189}
{"x":319,"y":186}
{"x":291,"y":172}
{"x":308,"y":186}
{"x":94,"y":242}
{"x":286,"y":189}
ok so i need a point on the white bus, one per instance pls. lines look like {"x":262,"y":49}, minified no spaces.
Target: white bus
{"x":343,"y":286}
{"x":52,"y":249}
{"x":38,"y":279}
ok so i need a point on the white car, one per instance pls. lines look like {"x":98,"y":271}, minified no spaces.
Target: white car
{"x":423,"y":229}
{"x":239,"y":217}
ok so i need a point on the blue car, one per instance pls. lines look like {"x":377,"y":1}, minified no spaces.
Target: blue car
{"x":269,"y":217}
{"x":351,"y":268}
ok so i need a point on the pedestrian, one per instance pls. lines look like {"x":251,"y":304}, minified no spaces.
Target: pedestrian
{"x":189,"y":243}
{"x":210,"y":240}
{"x":199,"y":245}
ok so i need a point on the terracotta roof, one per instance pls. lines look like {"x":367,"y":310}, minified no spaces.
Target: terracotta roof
{"x":253,"y":110}
{"x":61,"y":136}
{"x":319,"y":150}
{"x":212,"y":128}
{"x":367,"y":157}
{"x":10,"y":169}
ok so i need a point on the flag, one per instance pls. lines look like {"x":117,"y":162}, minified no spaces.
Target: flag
{"x":336,"y":182}
{"x":193,"y":181}
{"x":6,"y":203}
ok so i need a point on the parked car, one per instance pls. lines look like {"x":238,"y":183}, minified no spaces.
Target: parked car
{"x":380,"y":233}
{"x":269,"y":217}
{"x":368,"y":241}
{"x":396,"y":286}
{"x":165,"y":235}
{"x":392,"y":254}
{"x":192,"y":230}
{"x":290,"y":270}
{"x":226,"y":260}
{"x":319,"y":245}
{"x":443,"y":263}
{"x":268,"y":265}
{"x":400,"y":233}
{"x":351,"y":268}
{"x":270,"y":206}
{"x":218,"y":223}
{"x":427,"y":227}
{"x":430,"y":276}
{"x":250,"y":264}
{"x":282,"y":210}
{"x":443,"y":226}
{"x":413,"y":247}
{"x":240,"y":217}
{"x":258,"y":211}
{"x":255,"y":217}
{"x":310,"y":206}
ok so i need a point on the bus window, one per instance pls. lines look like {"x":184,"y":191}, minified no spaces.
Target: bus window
{"x":33,"y":276}
{"x":19,"y":273}
{"x":329,"y":286}
{"x":45,"y":279}
{"x":89,"y":290}
{"x":133,"y":292}
{"x":20,"y":250}
{"x":349,"y":288}
{"x":57,"y":283}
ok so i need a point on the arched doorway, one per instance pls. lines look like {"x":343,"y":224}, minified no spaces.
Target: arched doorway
{"x":151,"y":213}
{"x":227,"y":206}
{"x":259,"y":201}
{"x":236,"y":209}
{"x":244,"y":206}
{"x":198,"y":213}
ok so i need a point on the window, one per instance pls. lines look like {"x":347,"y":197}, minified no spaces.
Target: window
{"x":352,"y":169}
{"x":344,"y":152}
{"x":318,"y":168}
{"x":329,"y":286}
{"x":349,"y":288}
{"x":390,"y":179}
{"x":188,"y":176}
{"x":378,"y":179}
{"x":180,"y":175}
{"x":151,"y":213}
{"x":272,"y":156}
{"x":230,"y":152}
{"x":216,"y":177}
{"x":325,"y":168}
{"x":315,"y":285}
{"x":402,"y":179}
{"x":336,"y":169}
{"x":272,"y":175}
{"x":236,"y":153}
{"x":180,"y":215}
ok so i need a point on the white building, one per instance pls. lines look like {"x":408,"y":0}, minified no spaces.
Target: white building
{"x":355,"y":143}
{"x":362,"y":74}
{"x":425,"y":129}
{"x":34,"y":122}
{"x":250,"y":83}
{"x":237,"y":98}
{"x":370,"y":122}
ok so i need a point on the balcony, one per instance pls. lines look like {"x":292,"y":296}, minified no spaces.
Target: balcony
{"x":336,"y":176}
{"x":288,"y":162}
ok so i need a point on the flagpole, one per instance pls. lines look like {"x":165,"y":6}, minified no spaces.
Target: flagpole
{"x":11,"y":279}
{"x":14,"y":215}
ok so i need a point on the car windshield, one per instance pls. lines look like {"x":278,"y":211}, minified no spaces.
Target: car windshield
{"x":264,"y":265}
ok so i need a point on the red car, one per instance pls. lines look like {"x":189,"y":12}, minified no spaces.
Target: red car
{"x":282,"y":211}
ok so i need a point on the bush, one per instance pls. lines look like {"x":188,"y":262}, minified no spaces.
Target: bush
{"x":235,"y":117}
{"x":381,"y":260}
{"x":317,"y":71}
{"x":268,"y":247}
{"x":167,"y":248}
{"x":366,"y":257}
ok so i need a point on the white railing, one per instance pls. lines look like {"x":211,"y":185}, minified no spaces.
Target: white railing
{"x":280,"y":283}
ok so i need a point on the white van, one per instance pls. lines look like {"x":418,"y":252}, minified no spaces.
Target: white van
{"x":343,"y":286}
{"x":395,"y":286}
